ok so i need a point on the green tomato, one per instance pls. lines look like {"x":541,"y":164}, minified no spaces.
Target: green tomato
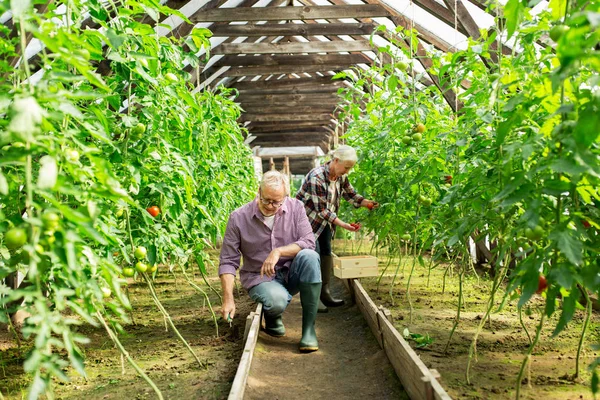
{"x":141,"y":267}
{"x":407,"y":140}
{"x":153,"y":268}
{"x":15,"y":238}
{"x":534,"y":234}
{"x":128,"y":272}
{"x":171,"y":77}
{"x":106,"y":292}
{"x":427,"y":202}
{"x":50,"y":221}
{"x":406,"y":236}
{"x":558,"y":31}
{"x":417,"y":137}
{"x":402,"y":66}
{"x":140,"y":253}
{"x":71,"y":155}
{"x":138,"y":130}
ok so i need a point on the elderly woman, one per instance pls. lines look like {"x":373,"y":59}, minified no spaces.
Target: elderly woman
{"x":321,"y":192}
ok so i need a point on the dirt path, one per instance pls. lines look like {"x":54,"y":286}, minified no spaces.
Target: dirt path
{"x":348,"y":365}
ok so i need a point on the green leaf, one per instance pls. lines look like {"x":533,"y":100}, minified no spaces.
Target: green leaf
{"x":3,"y":184}
{"x":568,"y":310}
{"x":513,"y":12}
{"x":595,"y":382}
{"x":586,"y":130}
{"x":570,"y":246}
{"x":558,"y":7}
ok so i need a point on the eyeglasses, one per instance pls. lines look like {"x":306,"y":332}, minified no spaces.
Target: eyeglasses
{"x":271,"y":202}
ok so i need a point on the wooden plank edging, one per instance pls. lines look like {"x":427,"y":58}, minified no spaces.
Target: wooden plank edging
{"x":419,"y":382}
{"x":250,"y":337}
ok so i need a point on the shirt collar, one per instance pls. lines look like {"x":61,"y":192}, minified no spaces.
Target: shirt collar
{"x":326,"y":168}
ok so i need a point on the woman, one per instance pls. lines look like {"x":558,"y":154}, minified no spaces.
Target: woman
{"x":321,"y":192}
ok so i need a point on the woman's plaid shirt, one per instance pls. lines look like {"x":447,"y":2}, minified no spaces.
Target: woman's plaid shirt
{"x":315,"y":195}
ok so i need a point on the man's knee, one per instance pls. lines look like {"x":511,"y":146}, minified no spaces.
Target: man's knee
{"x":275,"y":306}
{"x":308,"y":264}
{"x":309,"y":257}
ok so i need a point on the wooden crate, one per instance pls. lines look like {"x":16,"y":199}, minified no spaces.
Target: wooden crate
{"x":355,"y":267}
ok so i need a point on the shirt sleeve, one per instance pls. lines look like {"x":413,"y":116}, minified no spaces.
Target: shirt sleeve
{"x":318,"y":195}
{"x":229,"y":260}
{"x":350,"y":194}
{"x":304,"y":230}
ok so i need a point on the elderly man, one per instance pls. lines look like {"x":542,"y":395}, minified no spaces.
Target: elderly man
{"x":274,"y":236}
{"x":321,"y":192}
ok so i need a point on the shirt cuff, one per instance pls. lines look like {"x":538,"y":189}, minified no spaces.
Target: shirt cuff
{"x":227,"y":269}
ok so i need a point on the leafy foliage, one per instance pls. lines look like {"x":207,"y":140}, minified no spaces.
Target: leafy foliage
{"x":97,"y":149}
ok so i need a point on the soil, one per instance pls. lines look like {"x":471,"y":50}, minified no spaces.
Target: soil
{"x":502,"y":344}
{"x":157,"y":351}
{"x":348,"y":365}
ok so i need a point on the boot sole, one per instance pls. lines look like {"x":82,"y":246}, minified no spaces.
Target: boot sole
{"x":308,"y":349}
{"x":274,"y":334}
{"x":334,"y":304}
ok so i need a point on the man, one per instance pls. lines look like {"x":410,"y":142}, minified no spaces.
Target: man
{"x":321,"y":192}
{"x":274,"y":236}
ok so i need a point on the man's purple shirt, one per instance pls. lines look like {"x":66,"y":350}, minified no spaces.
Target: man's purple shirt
{"x":247,"y":235}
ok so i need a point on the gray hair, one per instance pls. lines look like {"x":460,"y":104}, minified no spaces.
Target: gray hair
{"x":275,"y":180}
{"x":345,"y":153}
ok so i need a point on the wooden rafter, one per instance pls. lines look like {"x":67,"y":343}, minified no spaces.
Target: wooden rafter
{"x":293,"y":29}
{"x":287,"y":48}
{"x":284,"y":59}
{"x":289,"y":13}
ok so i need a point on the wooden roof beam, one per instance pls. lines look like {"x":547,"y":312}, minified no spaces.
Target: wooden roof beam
{"x":289,"y":13}
{"x":292,"y":29}
{"x":287,"y":48}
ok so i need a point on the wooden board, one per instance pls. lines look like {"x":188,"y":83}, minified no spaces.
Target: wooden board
{"x":289,"y":13}
{"x":368,"y":309}
{"x":294,"y":29}
{"x":241,"y":376}
{"x":418,"y":381}
{"x":355,"y":267}
{"x":292,"y":47}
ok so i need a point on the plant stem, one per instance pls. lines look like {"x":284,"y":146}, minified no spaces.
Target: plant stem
{"x":460,"y":300}
{"x":588,"y":314}
{"x":207,"y":299}
{"x":124,"y":352}
{"x":168,"y":317}
{"x":528,"y":356}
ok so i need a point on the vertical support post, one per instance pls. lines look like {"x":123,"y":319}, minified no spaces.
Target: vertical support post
{"x":271,"y":164}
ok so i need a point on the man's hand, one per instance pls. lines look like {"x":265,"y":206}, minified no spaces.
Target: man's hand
{"x":268,"y":267}
{"x":228,"y":310}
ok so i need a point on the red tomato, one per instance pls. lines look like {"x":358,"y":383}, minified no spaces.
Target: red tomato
{"x":542,"y":284}
{"x":154,"y":210}
{"x":586,"y":224}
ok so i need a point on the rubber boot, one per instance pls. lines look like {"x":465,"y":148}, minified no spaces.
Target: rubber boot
{"x":309,"y":298}
{"x":326,"y":271}
{"x":322,"y":307}
{"x":274,"y":326}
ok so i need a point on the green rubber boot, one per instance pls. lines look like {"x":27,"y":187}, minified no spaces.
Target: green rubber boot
{"x":274,"y":326}
{"x":309,"y":298}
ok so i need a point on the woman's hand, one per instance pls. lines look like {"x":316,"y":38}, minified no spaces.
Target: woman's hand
{"x":370,"y":204}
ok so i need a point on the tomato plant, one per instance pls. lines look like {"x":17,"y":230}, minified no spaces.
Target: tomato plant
{"x":83,"y":151}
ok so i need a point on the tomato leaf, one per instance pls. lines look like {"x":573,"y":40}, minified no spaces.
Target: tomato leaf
{"x":568,"y":310}
{"x":569,"y":245}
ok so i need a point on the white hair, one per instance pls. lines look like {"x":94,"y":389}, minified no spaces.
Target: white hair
{"x":275,"y":180}
{"x":345,"y":153}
